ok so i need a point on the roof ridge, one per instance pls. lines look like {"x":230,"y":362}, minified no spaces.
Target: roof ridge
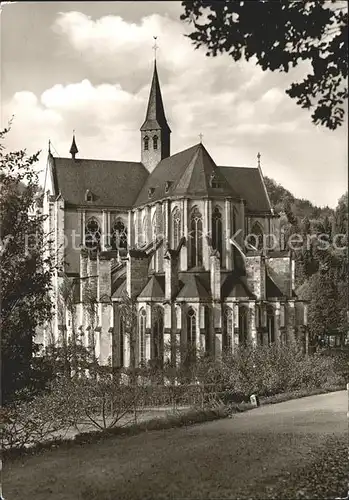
{"x":236,"y":166}
{"x":79,"y":160}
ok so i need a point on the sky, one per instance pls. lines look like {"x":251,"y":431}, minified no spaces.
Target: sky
{"x":87,"y":66}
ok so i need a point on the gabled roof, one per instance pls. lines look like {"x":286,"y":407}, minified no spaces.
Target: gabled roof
{"x":112,"y":183}
{"x":248,"y":182}
{"x":235,"y":286}
{"x":189,"y":173}
{"x":154,"y":289}
{"x":192,"y":288}
{"x":155,"y":117}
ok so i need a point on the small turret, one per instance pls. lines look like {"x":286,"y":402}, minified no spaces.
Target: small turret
{"x":73,"y":148}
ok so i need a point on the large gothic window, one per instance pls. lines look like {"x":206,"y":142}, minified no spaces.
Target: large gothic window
{"x":158,"y":334}
{"x":271,"y":325}
{"x":122,"y":338}
{"x":142,"y":326}
{"x":153,"y":230}
{"x":217,"y":230}
{"x":92,"y":234}
{"x":243,"y":324}
{"x":208,"y":338}
{"x":228,"y":330}
{"x":176,"y":227}
{"x":119,"y":235}
{"x":144,"y":236}
{"x":191,"y":328}
{"x":196,"y":238}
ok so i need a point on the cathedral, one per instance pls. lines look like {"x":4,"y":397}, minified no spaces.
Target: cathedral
{"x":180,"y":236}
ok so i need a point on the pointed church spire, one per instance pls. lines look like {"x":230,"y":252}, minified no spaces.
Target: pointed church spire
{"x":155,"y":132}
{"x":155,"y":117}
{"x":73,"y":148}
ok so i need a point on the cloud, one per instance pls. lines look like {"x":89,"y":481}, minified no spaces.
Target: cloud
{"x":238,"y":108}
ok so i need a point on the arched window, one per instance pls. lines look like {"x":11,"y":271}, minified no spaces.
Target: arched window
{"x":176,"y":227}
{"x":256,"y":236}
{"x":228,"y":329}
{"x":217,"y":230}
{"x":92,"y":234}
{"x":195,"y":238}
{"x":153,"y":231}
{"x":191,"y":328}
{"x":271,"y":325}
{"x":155,"y":142}
{"x":208,"y":338}
{"x":144,"y":237}
{"x":121,"y":337}
{"x":146,"y":142}
{"x":142,"y":326}
{"x":243,"y":324}
{"x":158,"y":334}
{"x":119,"y":235}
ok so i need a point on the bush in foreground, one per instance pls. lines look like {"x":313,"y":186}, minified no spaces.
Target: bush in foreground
{"x":106,"y":404}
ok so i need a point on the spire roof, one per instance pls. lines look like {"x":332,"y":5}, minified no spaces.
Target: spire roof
{"x":73,"y":148}
{"x":155,"y":117}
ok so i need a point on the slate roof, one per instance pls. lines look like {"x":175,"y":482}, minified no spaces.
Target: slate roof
{"x":189,"y":173}
{"x":247,"y":181}
{"x":155,"y":117}
{"x":112,"y":183}
{"x":119,"y":288}
{"x":235,"y":286}
{"x":192,"y":287}
{"x":154,"y":289}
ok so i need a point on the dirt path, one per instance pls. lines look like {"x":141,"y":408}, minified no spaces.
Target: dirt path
{"x":241,"y":457}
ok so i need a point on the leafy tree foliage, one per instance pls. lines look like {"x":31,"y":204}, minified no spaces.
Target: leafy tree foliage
{"x":322,"y":272}
{"x":280,"y":34}
{"x":24,"y":271}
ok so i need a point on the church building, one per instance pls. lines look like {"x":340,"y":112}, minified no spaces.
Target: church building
{"x":182,"y":236}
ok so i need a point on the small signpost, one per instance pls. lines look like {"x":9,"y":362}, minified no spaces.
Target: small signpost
{"x":254,"y":400}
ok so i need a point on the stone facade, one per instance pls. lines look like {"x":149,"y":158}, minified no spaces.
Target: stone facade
{"x":173,"y":251}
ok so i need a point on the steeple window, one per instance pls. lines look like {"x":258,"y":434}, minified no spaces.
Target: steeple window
{"x":146,"y":143}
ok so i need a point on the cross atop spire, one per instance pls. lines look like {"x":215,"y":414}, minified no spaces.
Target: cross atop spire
{"x":200,"y":136}
{"x":73,"y":148}
{"x":259,"y":159}
{"x":155,"y":117}
{"x":155,"y":47}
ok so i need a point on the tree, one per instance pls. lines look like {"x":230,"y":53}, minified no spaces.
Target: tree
{"x":281,"y":34}
{"x":25,"y":272}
